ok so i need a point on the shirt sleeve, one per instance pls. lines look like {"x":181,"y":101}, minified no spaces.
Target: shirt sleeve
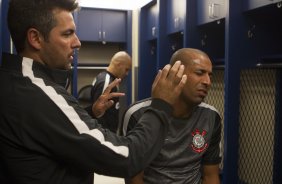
{"x":213,"y":153}
{"x":132,"y":115}
{"x":97,"y":90}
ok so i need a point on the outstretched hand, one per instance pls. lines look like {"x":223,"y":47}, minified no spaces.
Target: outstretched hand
{"x":105,"y":101}
{"x":169,"y":82}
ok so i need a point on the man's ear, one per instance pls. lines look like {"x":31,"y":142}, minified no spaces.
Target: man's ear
{"x":34,"y":38}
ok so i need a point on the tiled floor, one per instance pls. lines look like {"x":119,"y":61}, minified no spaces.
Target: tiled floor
{"x":100,"y":179}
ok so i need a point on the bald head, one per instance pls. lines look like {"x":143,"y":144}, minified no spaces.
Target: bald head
{"x":198,"y":69}
{"x":120,"y":64}
{"x":188,"y":56}
{"x":120,"y":56}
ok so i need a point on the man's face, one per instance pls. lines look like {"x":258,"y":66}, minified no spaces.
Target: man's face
{"x":198,"y":80}
{"x":125,"y":67}
{"x":57,"y":52}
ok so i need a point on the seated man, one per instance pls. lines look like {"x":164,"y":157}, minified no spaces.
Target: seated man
{"x":191,"y":153}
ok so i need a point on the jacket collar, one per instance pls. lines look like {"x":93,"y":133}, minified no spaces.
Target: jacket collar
{"x":14,"y":62}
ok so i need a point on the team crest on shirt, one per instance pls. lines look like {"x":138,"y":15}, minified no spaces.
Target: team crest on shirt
{"x":198,"y":142}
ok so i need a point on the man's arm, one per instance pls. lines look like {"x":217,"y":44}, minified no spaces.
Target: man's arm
{"x":211,"y":174}
{"x":101,"y":151}
{"x":138,"y":179}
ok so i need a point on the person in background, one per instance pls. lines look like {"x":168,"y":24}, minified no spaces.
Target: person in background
{"x":45,"y":136}
{"x":119,"y":67}
{"x":191,"y":152}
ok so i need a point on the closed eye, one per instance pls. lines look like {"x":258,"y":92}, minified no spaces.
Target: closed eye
{"x":68,"y":33}
{"x":200,"y":72}
{"x":203,"y":72}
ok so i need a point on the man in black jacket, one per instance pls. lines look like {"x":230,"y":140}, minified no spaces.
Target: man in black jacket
{"x":45,"y":136}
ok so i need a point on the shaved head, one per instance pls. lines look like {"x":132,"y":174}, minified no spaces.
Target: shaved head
{"x":120,"y":64}
{"x":120,"y":56}
{"x":198,"y":69}
{"x":188,"y":56}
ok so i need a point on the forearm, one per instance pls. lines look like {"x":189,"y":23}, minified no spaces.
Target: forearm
{"x":113,"y":155}
{"x":147,"y":139}
{"x":138,"y":179}
{"x":211,"y":180}
{"x":211,"y":174}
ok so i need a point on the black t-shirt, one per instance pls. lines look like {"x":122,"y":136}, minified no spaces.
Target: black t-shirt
{"x":190,"y":143}
{"x":110,"y":119}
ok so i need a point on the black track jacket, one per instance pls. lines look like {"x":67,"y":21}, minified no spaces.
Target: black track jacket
{"x":46,"y":137}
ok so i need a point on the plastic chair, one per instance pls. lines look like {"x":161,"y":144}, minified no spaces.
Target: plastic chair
{"x":84,"y":96}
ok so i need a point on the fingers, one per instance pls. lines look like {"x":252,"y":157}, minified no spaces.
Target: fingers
{"x":157,"y":78}
{"x":104,"y":101}
{"x":176,"y":70}
{"x":169,"y":83}
{"x":113,"y":84}
{"x":115,"y":94}
{"x":173,"y":73}
{"x":109,"y":103}
{"x":180,"y":72}
{"x":177,"y":75}
{"x":165,"y":71}
{"x":100,"y":106}
{"x":181,"y":83}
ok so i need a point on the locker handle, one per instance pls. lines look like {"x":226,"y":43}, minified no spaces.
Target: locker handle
{"x":100,"y":35}
{"x":214,"y":10}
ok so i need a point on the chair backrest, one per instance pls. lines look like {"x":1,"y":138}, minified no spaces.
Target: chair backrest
{"x":84,"y":96}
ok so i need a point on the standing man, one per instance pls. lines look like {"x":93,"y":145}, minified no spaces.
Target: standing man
{"x":119,"y":67}
{"x":45,"y":136}
{"x":191,"y":152}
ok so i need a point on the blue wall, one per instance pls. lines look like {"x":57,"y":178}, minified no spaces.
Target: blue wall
{"x":1,"y":31}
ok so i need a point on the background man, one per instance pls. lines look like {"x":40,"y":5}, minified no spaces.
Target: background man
{"x":119,"y":67}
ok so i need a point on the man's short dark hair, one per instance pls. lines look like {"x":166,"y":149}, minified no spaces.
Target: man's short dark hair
{"x":38,"y":14}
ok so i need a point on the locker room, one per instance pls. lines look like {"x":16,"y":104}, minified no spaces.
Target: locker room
{"x":243,"y":39}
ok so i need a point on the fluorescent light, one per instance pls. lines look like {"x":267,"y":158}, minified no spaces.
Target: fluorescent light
{"x":114,"y":4}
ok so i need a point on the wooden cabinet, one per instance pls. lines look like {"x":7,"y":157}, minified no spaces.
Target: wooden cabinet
{"x":176,"y":12}
{"x":150,"y":15}
{"x":114,"y":26}
{"x":210,"y":10}
{"x":263,"y":30}
{"x":252,"y":4}
{"x":149,"y":34}
{"x":102,"y":25}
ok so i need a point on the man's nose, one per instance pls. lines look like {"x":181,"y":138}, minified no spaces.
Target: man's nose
{"x":207,"y":80}
{"x":76,"y":43}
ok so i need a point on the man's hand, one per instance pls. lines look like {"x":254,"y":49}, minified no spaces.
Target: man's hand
{"x":104,"y":102}
{"x":169,"y":83}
